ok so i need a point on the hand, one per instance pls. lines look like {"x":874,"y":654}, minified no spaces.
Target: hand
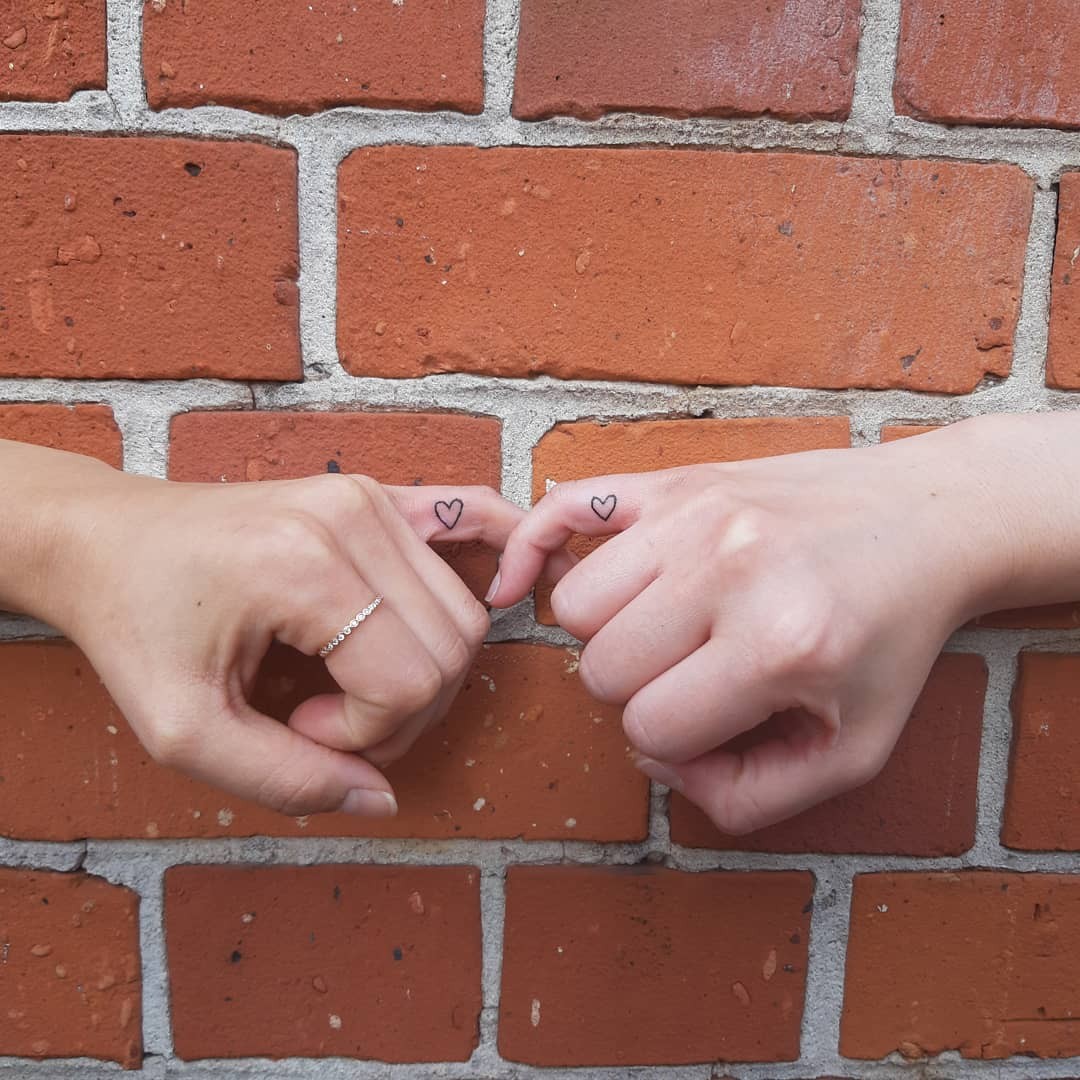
{"x":768,"y":624}
{"x":175,"y":592}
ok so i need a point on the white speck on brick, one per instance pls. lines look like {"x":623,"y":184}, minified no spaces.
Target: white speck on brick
{"x":225,"y":817}
{"x":335,"y":1021}
{"x":534,"y":1013}
{"x":479,"y":804}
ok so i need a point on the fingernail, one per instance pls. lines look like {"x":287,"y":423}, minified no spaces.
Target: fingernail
{"x":494,"y":588}
{"x":365,"y":802}
{"x":662,"y":774}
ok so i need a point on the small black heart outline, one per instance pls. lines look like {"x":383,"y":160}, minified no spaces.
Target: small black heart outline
{"x":449,"y":513}
{"x":599,"y":506}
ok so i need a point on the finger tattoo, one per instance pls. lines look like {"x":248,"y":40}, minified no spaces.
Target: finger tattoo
{"x":603,"y":508}
{"x":449,"y":513}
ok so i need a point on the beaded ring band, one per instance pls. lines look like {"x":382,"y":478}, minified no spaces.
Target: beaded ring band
{"x":352,"y":624}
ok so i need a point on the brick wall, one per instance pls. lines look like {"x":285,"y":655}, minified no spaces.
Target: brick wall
{"x":508,"y":243}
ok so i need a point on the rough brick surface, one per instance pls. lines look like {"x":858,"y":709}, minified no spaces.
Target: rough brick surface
{"x":686,"y":58}
{"x":286,"y":56}
{"x":48,"y":50}
{"x":148,"y":258}
{"x":681,"y":266}
{"x":649,"y":966}
{"x":1044,"y":771}
{"x":324,"y":961}
{"x":1013,"y":63}
{"x":1063,"y":358}
{"x":979,"y":962}
{"x":69,"y":968}
{"x":573,"y":451}
{"x":394,"y":448}
{"x":921,"y":803}
{"x":523,"y":752}
{"x":82,"y":429}
{"x":893,"y":432}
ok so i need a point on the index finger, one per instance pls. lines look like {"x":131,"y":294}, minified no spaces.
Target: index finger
{"x":457,"y":513}
{"x":599,"y":506}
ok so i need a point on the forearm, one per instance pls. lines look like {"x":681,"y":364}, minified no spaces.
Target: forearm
{"x":1005,"y":489}
{"x":44,"y":531}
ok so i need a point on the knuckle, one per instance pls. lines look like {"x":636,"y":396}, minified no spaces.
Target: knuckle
{"x":595,"y":676}
{"x":172,"y":743}
{"x":804,"y":639}
{"x":297,"y":540}
{"x":418,"y":687}
{"x":568,"y":611}
{"x":862,"y":767}
{"x":475,"y":623}
{"x":640,"y":729}
{"x":455,"y":655}
{"x":738,"y":819}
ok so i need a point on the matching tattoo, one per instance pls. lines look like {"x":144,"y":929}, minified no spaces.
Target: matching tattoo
{"x":605,"y":507}
{"x":449,"y":513}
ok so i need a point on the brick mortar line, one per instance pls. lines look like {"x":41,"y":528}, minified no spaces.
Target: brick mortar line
{"x":349,"y":1069}
{"x":1043,"y":153}
{"x":500,"y":58}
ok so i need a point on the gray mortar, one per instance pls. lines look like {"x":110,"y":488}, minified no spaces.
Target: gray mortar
{"x":527,"y":409}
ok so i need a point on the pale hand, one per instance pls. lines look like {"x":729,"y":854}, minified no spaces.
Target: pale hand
{"x":176,"y":591}
{"x":769,"y":624}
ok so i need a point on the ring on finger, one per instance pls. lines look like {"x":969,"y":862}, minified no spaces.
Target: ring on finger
{"x":350,"y":626}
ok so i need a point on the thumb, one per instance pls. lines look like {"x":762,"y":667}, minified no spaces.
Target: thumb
{"x":791,"y":768}
{"x":266,"y":762}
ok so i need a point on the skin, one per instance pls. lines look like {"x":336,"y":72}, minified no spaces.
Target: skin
{"x":768,"y":625}
{"x":176,"y":591}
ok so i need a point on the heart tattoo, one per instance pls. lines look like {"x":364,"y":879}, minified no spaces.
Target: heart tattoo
{"x":603,"y":508}
{"x":449,"y":513}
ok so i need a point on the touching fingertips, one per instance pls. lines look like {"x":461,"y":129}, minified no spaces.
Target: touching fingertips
{"x":658,"y":771}
{"x":367,"y":802}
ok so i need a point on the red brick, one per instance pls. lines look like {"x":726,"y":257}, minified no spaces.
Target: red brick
{"x":648,"y":966}
{"x":1063,"y":356}
{"x":80,"y":429}
{"x":70,"y":979}
{"x":979,"y":962}
{"x":1044,"y":770}
{"x":286,"y":57}
{"x":894,"y":432}
{"x":682,"y":266}
{"x":573,"y":451}
{"x":958,"y":65}
{"x":686,"y":58}
{"x":148,"y":258}
{"x":394,"y":448}
{"x":324,"y":961}
{"x":523,"y":752}
{"x":921,"y":803}
{"x":1046,"y":617}
{"x":50,"y":50}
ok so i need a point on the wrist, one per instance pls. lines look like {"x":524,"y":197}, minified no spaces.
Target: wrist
{"x":1002,"y":509}
{"x":54,"y":505}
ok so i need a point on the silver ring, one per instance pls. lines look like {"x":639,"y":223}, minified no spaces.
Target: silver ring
{"x":350,"y":626}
